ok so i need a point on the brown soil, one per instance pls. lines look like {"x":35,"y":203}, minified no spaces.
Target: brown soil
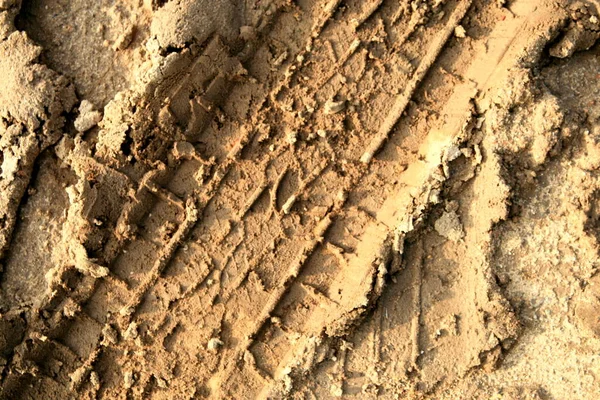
{"x":299,"y":199}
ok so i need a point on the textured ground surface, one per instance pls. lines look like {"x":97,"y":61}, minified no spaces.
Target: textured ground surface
{"x":299,"y":199}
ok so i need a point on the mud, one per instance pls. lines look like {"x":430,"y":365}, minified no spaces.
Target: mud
{"x":303,"y":200}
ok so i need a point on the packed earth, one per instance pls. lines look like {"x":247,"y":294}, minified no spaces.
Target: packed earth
{"x":299,"y":199}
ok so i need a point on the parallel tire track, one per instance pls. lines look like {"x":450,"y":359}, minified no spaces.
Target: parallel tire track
{"x":227,"y":238}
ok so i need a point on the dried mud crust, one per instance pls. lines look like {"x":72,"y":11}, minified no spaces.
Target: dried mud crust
{"x":289,"y":200}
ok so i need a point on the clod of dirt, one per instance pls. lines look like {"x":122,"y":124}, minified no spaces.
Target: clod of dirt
{"x":128,"y":379}
{"x":247,"y":33}
{"x":8,"y":11}
{"x":336,"y":390}
{"x":95,"y":379}
{"x":583,"y":31}
{"x":110,"y":336}
{"x":33,"y":101}
{"x":32,"y":94}
{"x":449,"y":226}
{"x":587,"y":309}
{"x":125,"y":38}
{"x":291,"y":137}
{"x":182,"y":22}
{"x":183,"y":150}
{"x":12,"y":329}
{"x":88,"y":117}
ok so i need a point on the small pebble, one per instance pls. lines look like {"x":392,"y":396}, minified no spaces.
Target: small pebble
{"x":214,"y":344}
{"x":334,"y":107}
{"x":128,"y":379}
{"x":291,"y":137}
{"x":247,"y":33}
{"x":460,"y":32}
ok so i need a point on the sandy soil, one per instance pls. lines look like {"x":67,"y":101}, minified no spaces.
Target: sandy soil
{"x":304,"y":199}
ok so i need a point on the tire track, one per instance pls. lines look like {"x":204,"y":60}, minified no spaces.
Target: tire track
{"x":123,"y":228}
{"x":213,"y":193}
{"x":276,"y":297}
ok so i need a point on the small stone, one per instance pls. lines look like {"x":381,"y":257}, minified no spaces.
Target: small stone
{"x":460,"y":32}
{"x":214,"y":344}
{"x":334,"y":107}
{"x":128,"y":379}
{"x":291,"y":137}
{"x":322,"y":133}
{"x":336,"y":390}
{"x":247,"y":33}
{"x":287,"y":206}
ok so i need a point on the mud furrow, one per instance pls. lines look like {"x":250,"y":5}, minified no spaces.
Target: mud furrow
{"x":401,"y":102}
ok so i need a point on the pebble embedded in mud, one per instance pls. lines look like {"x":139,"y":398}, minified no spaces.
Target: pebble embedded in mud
{"x":128,"y":379}
{"x":460,"y":32}
{"x":336,"y":390}
{"x":334,"y":107}
{"x":291,"y":137}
